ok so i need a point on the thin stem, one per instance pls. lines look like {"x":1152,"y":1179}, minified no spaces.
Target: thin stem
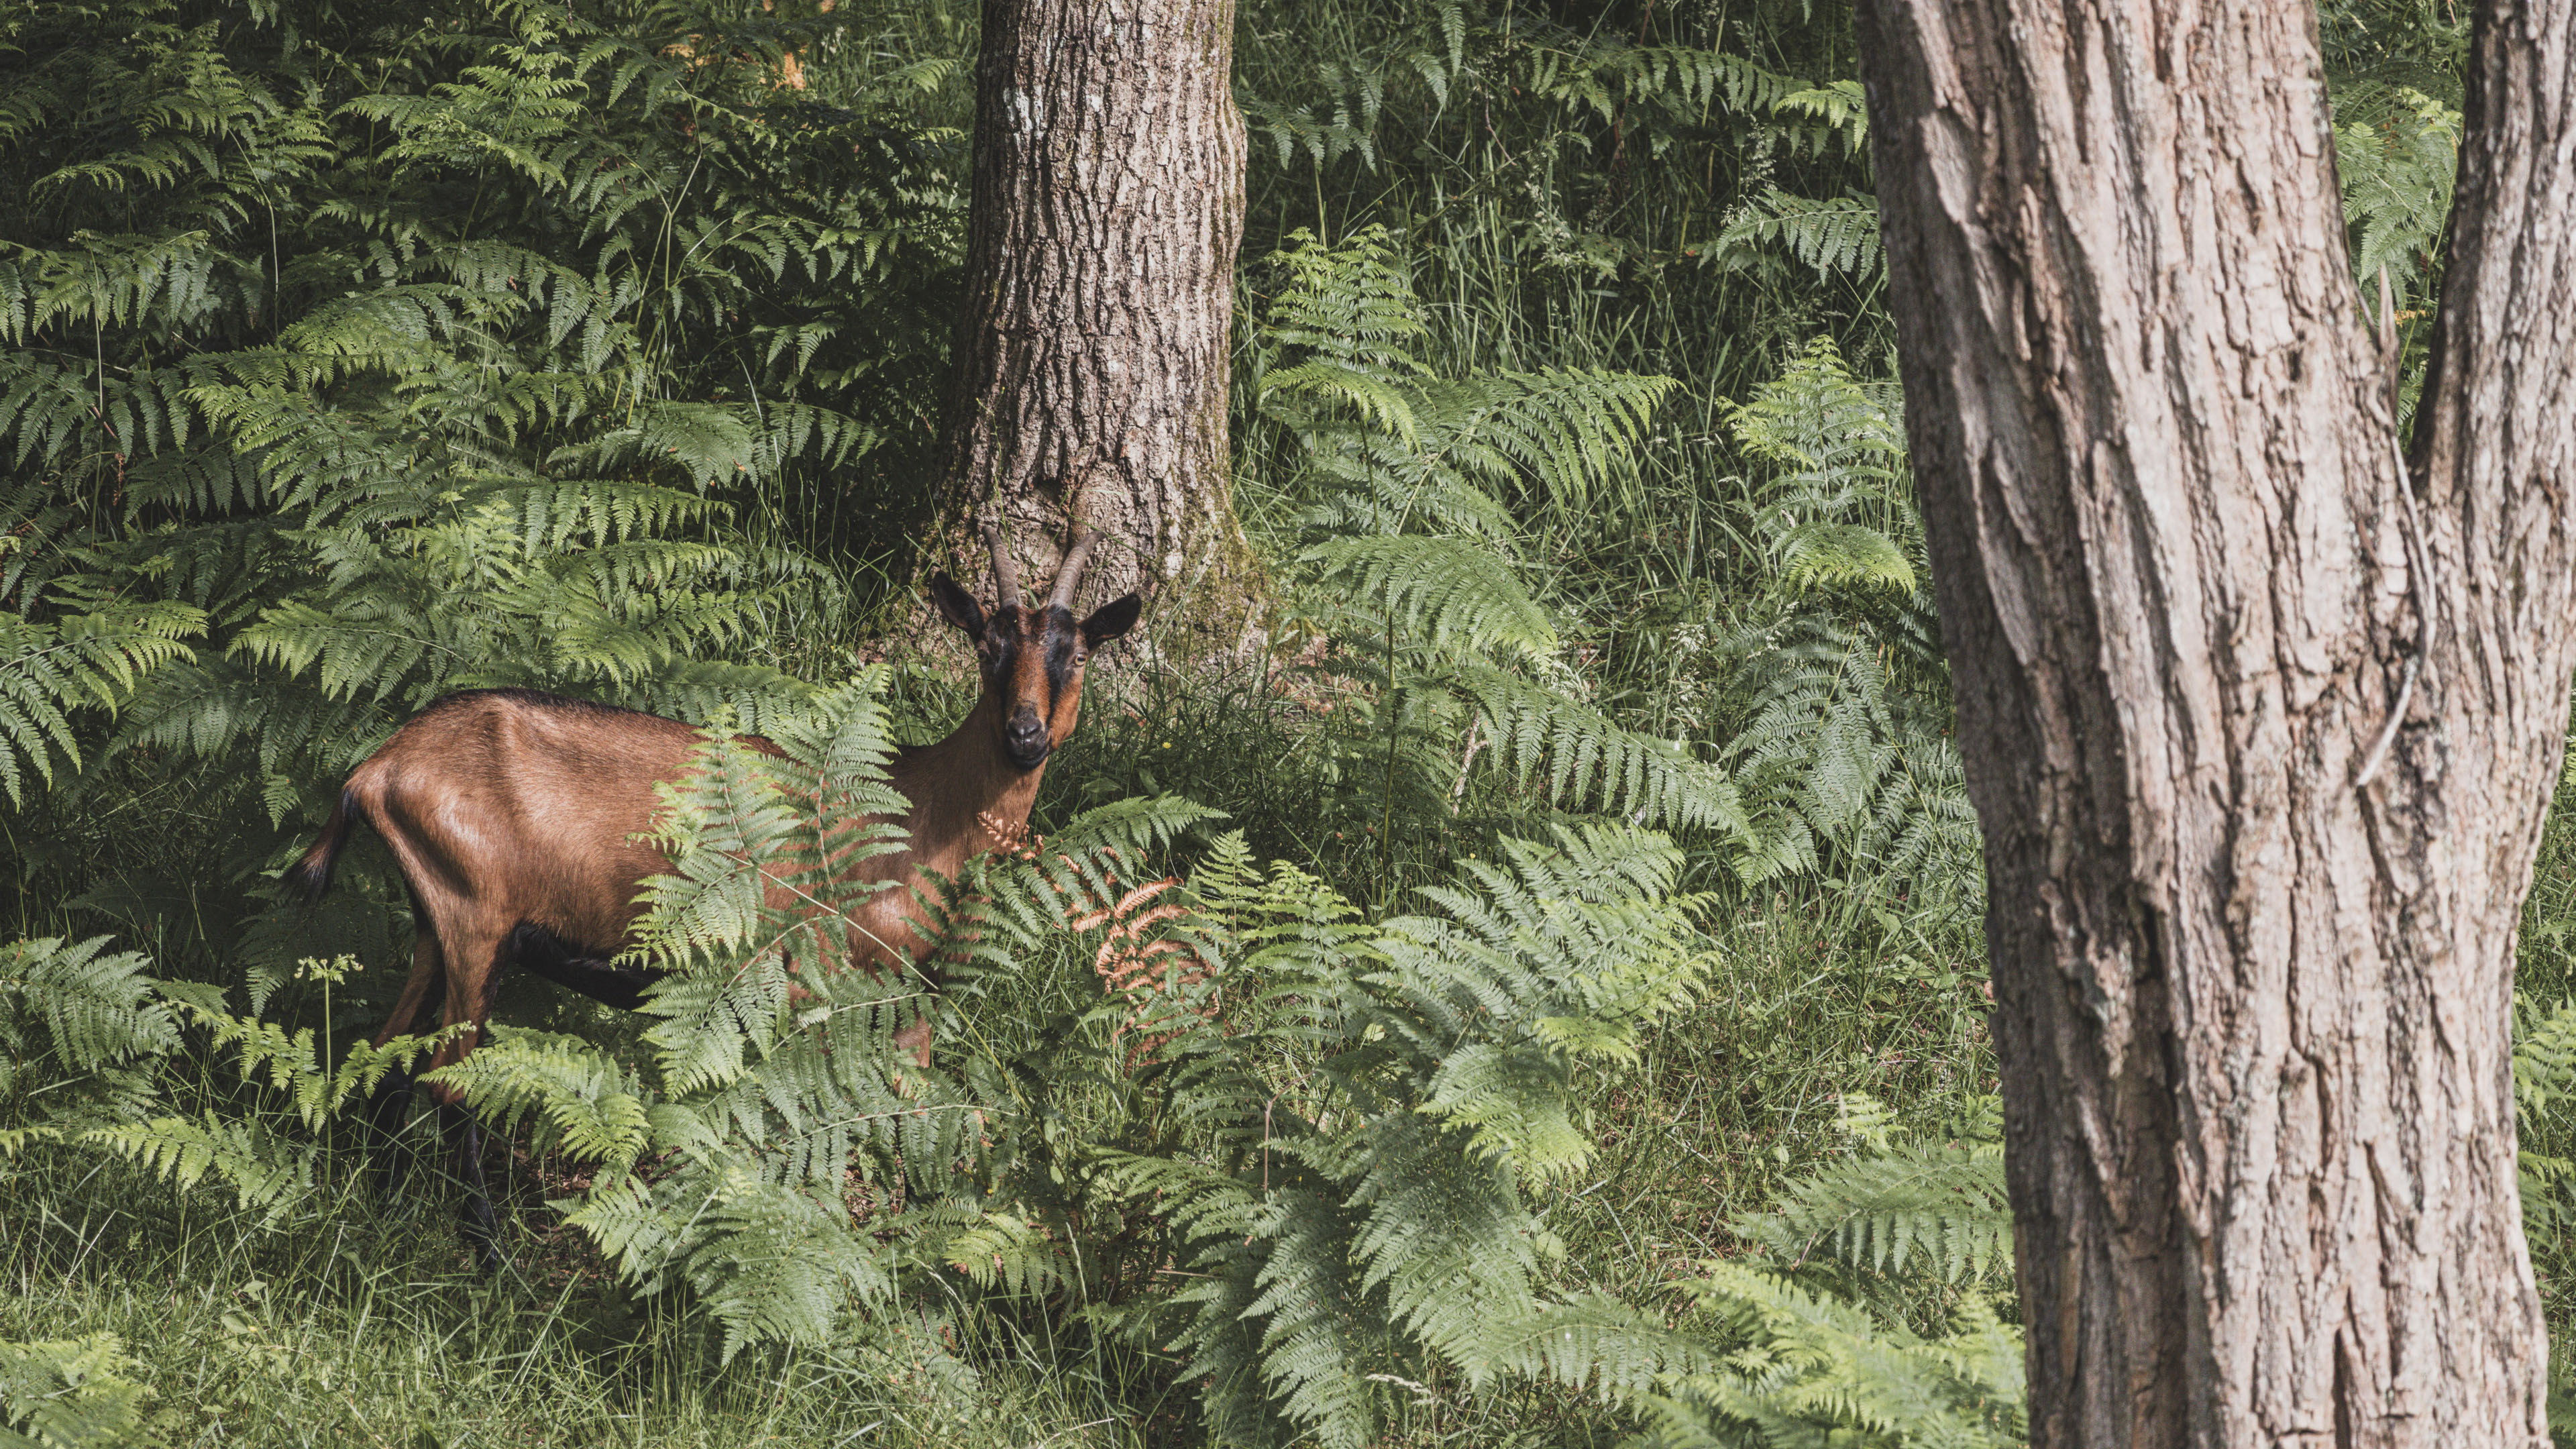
{"x":1386,"y":818}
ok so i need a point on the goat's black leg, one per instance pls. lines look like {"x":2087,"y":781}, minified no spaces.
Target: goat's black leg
{"x":482,"y":1228}
{"x":388,"y":1112}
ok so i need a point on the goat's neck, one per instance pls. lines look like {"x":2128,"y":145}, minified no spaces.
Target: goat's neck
{"x":967,"y":797}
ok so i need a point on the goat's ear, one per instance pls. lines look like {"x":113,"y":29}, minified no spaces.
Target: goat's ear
{"x":957,"y":606}
{"x":1111,"y":620}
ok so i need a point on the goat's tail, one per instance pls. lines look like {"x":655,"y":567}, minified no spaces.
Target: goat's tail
{"x":311,"y":876}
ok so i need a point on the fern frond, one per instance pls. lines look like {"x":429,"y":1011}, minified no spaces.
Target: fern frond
{"x":1843,"y":555}
{"x":70,"y":1394}
{"x":264,"y":1170}
{"x":2396,"y":152}
{"x":1836,"y":236}
{"x":2544,"y":1077}
{"x":586,"y":1106}
{"x":1931,"y":1209}
{"x":773,"y":1264}
{"x":1596,"y":1341}
{"x":48,"y":670}
{"x":102,"y":1026}
{"x":1582,"y":756}
{"x":1814,"y":1367}
{"x":1008,"y":1253}
{"x":1449,"y":591}
{"x":1841,"y":105}
{"x":96,"y":1005}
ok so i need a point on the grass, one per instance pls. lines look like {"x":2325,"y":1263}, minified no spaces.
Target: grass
{"x":362,"y":1327}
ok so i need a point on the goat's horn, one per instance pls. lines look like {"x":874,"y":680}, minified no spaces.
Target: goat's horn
{"x":1068,"y":575}
{"x":1006,"y":570}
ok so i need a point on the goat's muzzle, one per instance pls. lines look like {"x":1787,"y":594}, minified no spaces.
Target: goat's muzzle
{"x":1025,"y":738}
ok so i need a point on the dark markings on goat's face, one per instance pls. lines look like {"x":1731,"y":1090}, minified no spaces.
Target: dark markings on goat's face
{"x":1032,"y":661}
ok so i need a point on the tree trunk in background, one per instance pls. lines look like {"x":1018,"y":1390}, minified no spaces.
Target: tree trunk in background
{"x":1092,"y":358}
{"x":2261,"y":721}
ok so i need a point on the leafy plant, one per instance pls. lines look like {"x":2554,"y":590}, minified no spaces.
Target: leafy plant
{"x":1363,"y":1213}
{"x":2544,"y":1079}
{"x":2397,"y":151}
{"x":273,"y":1149}
{"x":1922,"y":1207}
{"x":68,"y":1394}
{"x":1411,"y":546}
{"x":81,"y":1032}
{"x":93,"y":1076}
{"x":1841,"y":744}
{"x":1815,"y":1339}
{"x":1834,"y":235}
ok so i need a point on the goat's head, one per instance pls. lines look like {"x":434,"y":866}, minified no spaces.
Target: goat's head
{"x":1032,"y":658}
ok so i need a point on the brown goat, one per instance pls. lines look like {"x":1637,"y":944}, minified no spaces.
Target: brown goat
{"x":515,"y":818}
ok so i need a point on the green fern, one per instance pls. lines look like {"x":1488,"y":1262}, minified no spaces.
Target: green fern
{"x":81,"y":1029}
{"x":92,"y":1075}
{"x":1445,"y":591}
{"x":2544,"y":1079}
{"x":1448,"y":53}
{"x":1841,"y":105}
{"x":1414,"y":568}
{"x":71,"y":1394}
{"x":1837,"y":736}
{"x":269,"y":1168}
{"x":1810,"y":1340}
{"x":2396,"y":152}
{"x":1597,"y":1342}
{"x":1836,"y":444}
{"x":1837,"y":236}
{"x":97,"y":658}
{"x":1813,"y":1369}
{"x":1932,"y":1210}
{"x":1439,"y":1055}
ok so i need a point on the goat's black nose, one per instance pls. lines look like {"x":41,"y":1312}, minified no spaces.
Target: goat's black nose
{"x":1026,"y":737}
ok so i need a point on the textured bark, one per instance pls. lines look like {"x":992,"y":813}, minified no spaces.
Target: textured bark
{"x":1092,"y":373}
{"x":2261,"y":721}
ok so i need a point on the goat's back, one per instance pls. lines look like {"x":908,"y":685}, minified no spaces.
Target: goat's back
{"x":506,"y":806}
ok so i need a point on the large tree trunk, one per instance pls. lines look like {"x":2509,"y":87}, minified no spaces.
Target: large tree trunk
{"x":1092,"y":373}
{"x":2261,"y":722}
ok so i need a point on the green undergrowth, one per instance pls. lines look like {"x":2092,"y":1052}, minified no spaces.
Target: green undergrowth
{"x":375,"y":1330}
{"x":347,"y":1317}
